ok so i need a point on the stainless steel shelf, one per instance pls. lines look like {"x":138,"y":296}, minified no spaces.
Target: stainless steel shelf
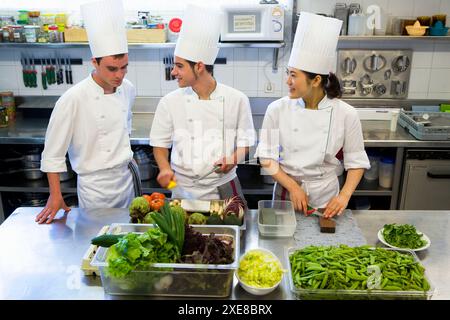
{"x":166,"y":45}
{"x":391,"y":38}
{"x":17,"y":183}
{"x":371,"y":188}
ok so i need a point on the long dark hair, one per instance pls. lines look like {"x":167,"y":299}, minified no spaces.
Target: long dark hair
{"x":330,"y":84}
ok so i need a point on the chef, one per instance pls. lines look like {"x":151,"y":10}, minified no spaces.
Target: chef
{"x":206,"y":123}
{"x":92,"y":121}
{"x":302,"y":133}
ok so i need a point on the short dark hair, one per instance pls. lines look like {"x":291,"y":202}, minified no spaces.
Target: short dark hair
{"x":115,"y":56}
{"x":330,"y":83}
{"x":209,"y":67}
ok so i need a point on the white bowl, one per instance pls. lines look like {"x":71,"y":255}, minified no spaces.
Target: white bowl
{"x":424,"y":237}
{"x":256,"y":290}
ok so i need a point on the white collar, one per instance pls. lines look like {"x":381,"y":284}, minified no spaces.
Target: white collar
{"x":97,"y":89}
{"x":300,"y":103}
{"x":216,"y":94}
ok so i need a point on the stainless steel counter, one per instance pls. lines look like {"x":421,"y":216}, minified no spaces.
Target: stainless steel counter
{"x":376,"y":133}
{"x":43,"y":261}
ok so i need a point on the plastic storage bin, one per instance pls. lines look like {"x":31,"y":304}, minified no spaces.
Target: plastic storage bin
{"x":386,"y":172}
{"x":372,"y":173}
{"x":327,"y":294}
{"x":172,"y":279}
{"x":276,"y":218}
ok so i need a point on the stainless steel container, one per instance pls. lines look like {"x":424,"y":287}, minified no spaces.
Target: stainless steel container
{"x":33,"y":173}
{"x":147,"y":170}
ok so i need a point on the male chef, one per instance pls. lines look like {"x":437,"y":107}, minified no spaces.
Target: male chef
{"x":206,"y":123}
{"x":92,"y":121}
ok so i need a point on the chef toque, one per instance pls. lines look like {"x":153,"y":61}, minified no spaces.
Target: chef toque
{"x":199,"y":35}
{"x":315,"y":43}
{"x":105,"y":25}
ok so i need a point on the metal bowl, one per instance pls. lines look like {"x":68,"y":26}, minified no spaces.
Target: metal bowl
{"x":33,"y":174}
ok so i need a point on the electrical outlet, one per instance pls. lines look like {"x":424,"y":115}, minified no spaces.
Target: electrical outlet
{"x":268,"y":87}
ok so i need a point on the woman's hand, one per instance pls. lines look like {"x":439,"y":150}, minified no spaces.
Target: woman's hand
{"x":299,"y":198}
{"x":336,"y":206}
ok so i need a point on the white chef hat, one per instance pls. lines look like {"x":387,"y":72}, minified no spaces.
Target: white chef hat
{"x":105,"y":25}
{"x":315,"y":43}
{"x":199,"y":35}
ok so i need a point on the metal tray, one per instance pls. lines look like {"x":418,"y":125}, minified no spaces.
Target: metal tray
{"x":327,"y":294}
{"x":436,"y":127}
{"x":172,"y":279}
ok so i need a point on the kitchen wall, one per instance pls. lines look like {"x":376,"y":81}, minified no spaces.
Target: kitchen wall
{"x":250,"y":70}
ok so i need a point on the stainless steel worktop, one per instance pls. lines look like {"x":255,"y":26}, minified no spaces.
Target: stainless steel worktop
{"x":43,"y":261}
{"x":376,"y":133}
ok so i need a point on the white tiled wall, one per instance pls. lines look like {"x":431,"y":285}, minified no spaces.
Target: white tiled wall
{"x":249,"y":70}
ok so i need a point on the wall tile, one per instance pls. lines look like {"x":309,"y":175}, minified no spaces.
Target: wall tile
{"x":426,"y":8}
{"x":148,"y":81}
{"x":419,"y":80}
{"x":323,"y":6}
{"x":8,"y":57}
{"x":439,"y":95}
{"x":8,"y":78}
{"x":265,"y":74}
{"x":417,"y":95}
{"x":422,"y":59}
{"x":246,"y":79}
{"x":246,"y":57}
{"x":401,"y":8}
{"x":439,"y":80}
{"x":227,"y":53}
{"x":145,"y":57}
{"x":224,"y":74}
{"x":441,"y":56}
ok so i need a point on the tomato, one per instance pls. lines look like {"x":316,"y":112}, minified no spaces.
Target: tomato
{"x":156,"y":204}
{"x":148,"y":198}
{"x":157,"y":195}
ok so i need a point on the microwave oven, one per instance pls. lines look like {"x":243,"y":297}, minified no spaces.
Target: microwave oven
{"x":259,"y":22}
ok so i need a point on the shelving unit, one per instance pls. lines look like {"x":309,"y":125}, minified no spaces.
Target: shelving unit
{"x":392,"y":38}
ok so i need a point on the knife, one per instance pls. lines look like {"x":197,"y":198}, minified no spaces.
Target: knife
{"x":317,"y":212}
{"x":216,"y":167}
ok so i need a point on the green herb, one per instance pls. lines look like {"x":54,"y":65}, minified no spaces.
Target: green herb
{"x":403,"y":236}
{"x":172,"y":223}
{"x":346,"y":268}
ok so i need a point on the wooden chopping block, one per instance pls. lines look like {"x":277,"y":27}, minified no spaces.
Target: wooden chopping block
{"x":327,"y":225}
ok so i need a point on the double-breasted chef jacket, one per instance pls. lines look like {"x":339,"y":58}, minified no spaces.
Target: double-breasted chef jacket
{"x":201,"y":132}
{"x":94,"y":128}
{"x":305,"y":143}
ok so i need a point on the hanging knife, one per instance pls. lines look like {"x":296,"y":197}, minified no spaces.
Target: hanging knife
{"x":59,"y":75}
{"x":70,"y":70}
{"x":66,"y":71}
{"x":24,"y":70}
{"x":33,"y":74}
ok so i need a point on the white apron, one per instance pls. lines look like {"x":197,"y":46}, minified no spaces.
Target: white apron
{"x":203,"y":146}
{"x":111,"y":188}
{"x":312,"y":130}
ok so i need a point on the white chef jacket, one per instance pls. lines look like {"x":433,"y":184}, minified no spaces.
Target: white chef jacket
{"x":92,"y":126}
{"x":344,"y":131}
{"x":200,"y":132}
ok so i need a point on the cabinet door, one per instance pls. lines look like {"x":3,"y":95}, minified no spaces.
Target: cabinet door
{"x":426,"y":185}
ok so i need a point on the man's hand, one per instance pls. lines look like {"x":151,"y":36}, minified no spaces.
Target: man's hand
{"x":299,"y":198}
{"x":54,"y":203}
{"x":336,"y":206}
{"x":165,"y":176}
{"x":226,"y":164}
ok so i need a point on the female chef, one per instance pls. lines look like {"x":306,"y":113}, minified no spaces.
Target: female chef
{"x":302,"y":133}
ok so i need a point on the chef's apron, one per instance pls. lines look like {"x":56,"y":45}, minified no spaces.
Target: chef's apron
{"x":109,"y":188}
{"x":310,"y":149}
{"x":206,"y":125}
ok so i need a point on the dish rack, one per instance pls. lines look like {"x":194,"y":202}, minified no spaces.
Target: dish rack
{"x":426,"y":125}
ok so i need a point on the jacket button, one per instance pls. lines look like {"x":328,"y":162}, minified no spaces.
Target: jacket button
{"x":296,"y":130}
{"x":190,"y":120}
{"x":96,"y":98}
{"x":102,"y":116}
{"x":109,"y":150}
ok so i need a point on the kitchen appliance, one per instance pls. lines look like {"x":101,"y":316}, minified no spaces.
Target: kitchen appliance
{"x":426,"y":180}
{"x":374,"y":73}
{"x":259,"y":22}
